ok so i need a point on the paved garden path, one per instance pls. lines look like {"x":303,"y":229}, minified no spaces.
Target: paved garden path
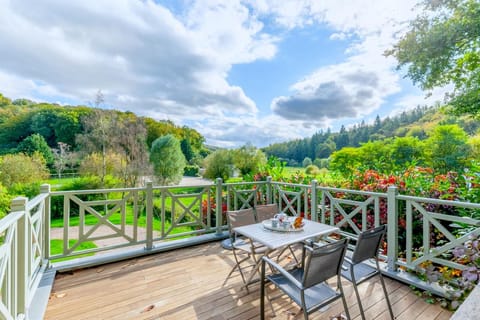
{"x":57,"y":233}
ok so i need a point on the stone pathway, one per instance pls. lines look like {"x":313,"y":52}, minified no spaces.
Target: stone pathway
{"x":102,"y":231}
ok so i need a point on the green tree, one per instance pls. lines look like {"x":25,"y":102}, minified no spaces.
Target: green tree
{"x":63,"y":158}
{"x":447,"y":148}
{"x":92,"y":165}
{"x":474,"y":143}
{"x":167,"y":159}
{"x":405,"y":150}
{"x":441,"y":47}
{"x":373,"y":155}
{"x":99,"y":135}
{"x":36,"y":143}
{"x":219,"y":164}
{"x":132,"y":146}
{"x":4,"y":101}
{"x":346,"y":160}
{"x":306,"y":162}
{"x":248,"y":159}
{"x":187,"y":149}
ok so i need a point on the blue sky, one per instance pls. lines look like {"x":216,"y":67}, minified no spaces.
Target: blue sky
{"x":238,"y":71}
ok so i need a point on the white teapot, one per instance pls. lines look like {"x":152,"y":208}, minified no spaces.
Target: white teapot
{"x":281,"y":217}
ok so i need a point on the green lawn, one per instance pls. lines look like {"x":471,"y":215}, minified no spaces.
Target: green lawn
{"x":290,"y":171}
{"x":58,"y":183}
{"x":117,"y":219}
{"x":56,"y":247}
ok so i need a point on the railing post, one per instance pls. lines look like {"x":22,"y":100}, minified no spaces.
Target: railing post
{"x":269,"y":190}
{"x":218,"y":206}
{"x":19,"y":204}
{"x":392,"y":228}
{"x":45,"y":189}
{"x":149,"y":212}
{"x":313,"y":201}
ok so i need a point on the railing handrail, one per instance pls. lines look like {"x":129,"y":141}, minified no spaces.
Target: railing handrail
{"x":318,"y":201}
{"x":455,"y":203}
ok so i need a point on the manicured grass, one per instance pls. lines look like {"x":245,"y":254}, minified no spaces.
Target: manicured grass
{"x":116,"y":218}
{"x":58,"y":183}
{"x":290,"y":171}
{"x":56,"y":247}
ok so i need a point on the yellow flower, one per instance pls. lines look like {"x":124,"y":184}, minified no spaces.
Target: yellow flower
{"x":456,"y":273}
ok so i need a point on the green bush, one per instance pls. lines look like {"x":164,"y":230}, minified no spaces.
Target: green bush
{"x":312,"y":170}
{"x":307,"y":162}
{"x":191,"y":171}
{"x":5,"y":200}
{"x":219,"y":165}
{"x":84,"y":183}
{"x":20,"y":168}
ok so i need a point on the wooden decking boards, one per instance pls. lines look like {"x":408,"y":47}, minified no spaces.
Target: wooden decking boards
{"x":187,"y":284}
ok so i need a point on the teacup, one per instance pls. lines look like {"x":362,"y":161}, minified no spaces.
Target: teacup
{"x":274,"y":222}
{"x":286,"y":224}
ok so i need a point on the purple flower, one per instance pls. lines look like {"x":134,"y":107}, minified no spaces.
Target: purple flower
{"x":470,"y":274}
{"x":459,"y":252}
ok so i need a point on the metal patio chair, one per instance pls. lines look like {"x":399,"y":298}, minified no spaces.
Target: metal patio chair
{"x":306,"y":285}
{"x":265,"y":211}
{"x":357,"y":270}
{"x":244,"y":250}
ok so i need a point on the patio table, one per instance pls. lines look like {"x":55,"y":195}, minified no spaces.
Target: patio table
{"x":277,"y":239}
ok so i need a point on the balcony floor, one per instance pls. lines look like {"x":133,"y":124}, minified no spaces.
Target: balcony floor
{"x":187,"y":284}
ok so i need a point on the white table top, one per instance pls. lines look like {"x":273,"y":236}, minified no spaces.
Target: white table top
{"x":278,"y":239}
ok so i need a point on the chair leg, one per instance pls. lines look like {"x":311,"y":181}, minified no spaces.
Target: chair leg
{"x":240,"y":268}
{"x":352,"y":275}
{"x":385,"y":292}
{"x":262,"y":292}
{"x":344,"y":301}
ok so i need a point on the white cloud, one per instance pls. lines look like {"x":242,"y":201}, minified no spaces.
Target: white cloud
{"x":411,"y":101}
{"x":147,"y":60}
{"x":360,"y":85}
{"x":134,"y":49}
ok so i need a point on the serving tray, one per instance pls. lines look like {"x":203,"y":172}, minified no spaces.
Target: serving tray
{"x":267,"y":224}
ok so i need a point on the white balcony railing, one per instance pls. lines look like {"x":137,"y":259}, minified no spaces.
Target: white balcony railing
{"x":129,"y":222}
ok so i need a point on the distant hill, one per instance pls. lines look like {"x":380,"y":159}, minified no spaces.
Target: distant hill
{"x":417,"y":122}
{"x":21,"y":118}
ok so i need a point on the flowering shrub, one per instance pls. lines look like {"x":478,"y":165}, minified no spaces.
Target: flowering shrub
{"x":213,"y":211}
{"x":457,"y":282}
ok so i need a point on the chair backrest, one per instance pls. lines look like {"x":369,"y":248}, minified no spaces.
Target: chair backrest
{"x":323,"y":263}
{"x":368,"y":244}
{"x":265,"y":212}
{"x":240,"y":218}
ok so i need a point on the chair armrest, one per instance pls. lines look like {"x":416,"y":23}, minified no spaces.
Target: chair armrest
{"x":283,"y":272}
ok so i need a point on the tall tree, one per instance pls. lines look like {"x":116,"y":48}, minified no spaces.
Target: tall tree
{"x":447,"y":148}
{"x":442,"y":47}
{"x":248,"y":159}
{"x":132,"y":146}
{"x":99,"y":135}
{"x":167,"y":159}
{"x":63,"y":158}
{"x":36,"y":143}
{"x":187,"y":149}
{"x":219,"y":165}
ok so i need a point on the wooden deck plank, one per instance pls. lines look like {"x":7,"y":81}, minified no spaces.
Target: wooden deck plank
{"x":188,"y":284}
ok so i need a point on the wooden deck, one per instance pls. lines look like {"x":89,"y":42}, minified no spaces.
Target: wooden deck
{"x":187,"y":284}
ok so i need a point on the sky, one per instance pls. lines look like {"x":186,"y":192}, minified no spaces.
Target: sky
{"x":237,"y":71}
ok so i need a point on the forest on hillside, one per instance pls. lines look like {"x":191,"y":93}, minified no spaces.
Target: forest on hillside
{"x":416,"y":123}
{"x":39,"y":140}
